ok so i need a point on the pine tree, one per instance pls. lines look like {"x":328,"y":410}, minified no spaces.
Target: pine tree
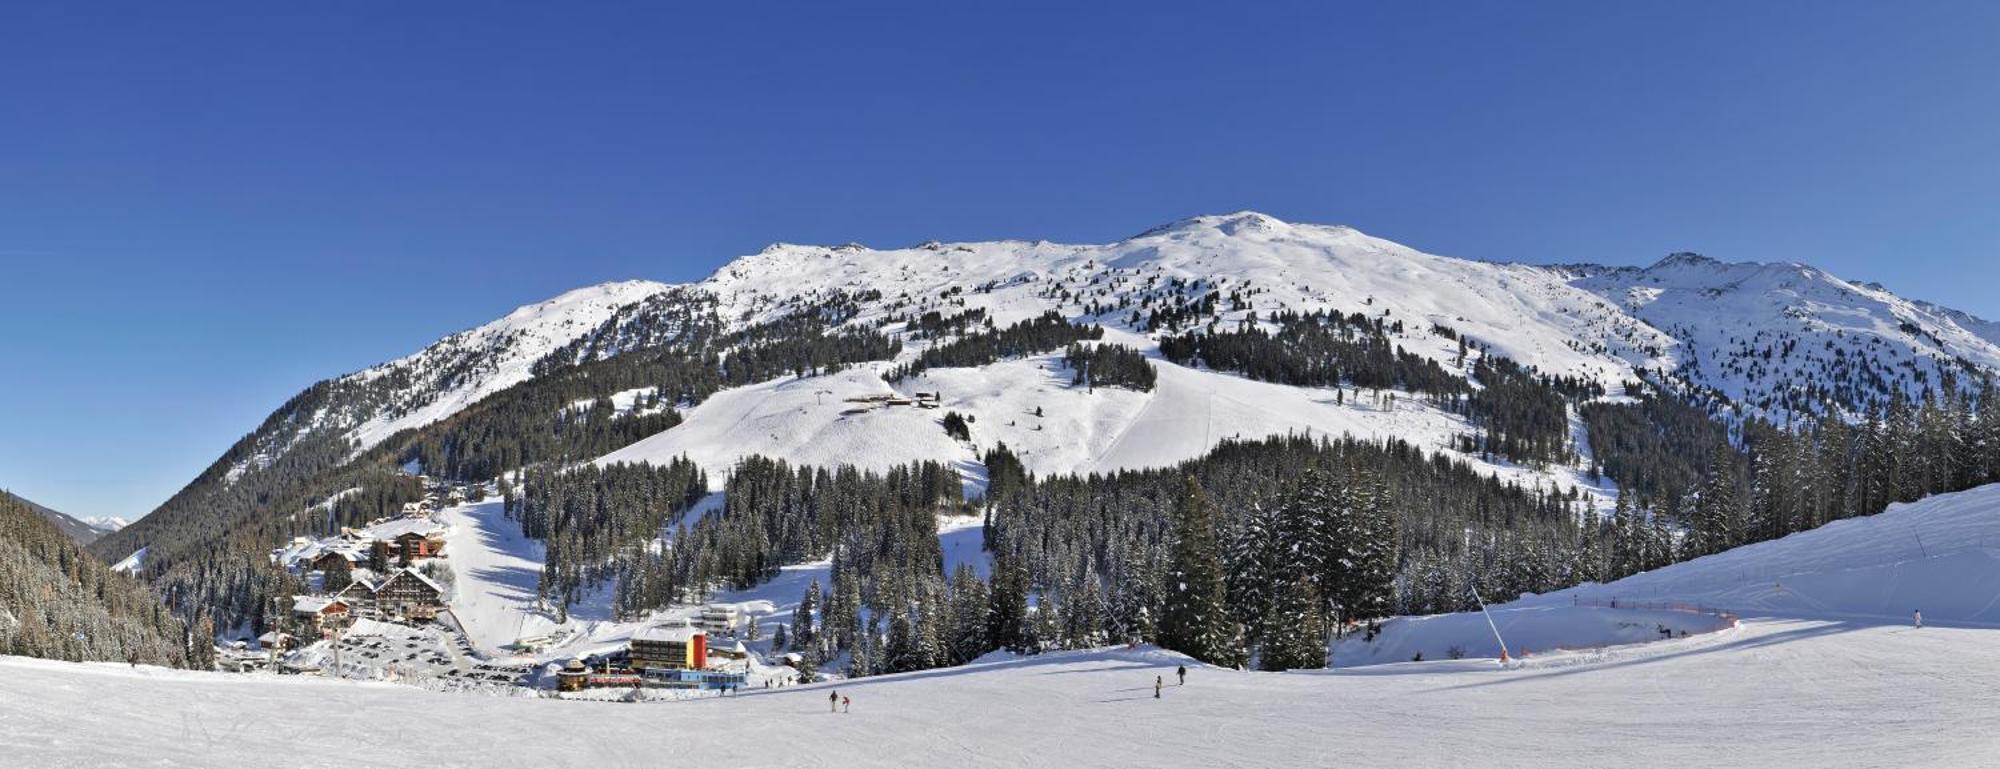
{"x":1296,"y":629}
{"x":1195,"y":618}
{"x":1007,"y":616}
{"x":201,"y":641}
{"x":901,"y":654}
{"x":1716,"y":523}
{"x":967,"y":637}
{"x":1366,"y":578}
{"x":802,"y":617}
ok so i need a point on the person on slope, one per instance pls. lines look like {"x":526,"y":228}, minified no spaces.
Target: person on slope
{"x":1918,"y":616}
{"x":1157,"y":681}
{"x":844,"y":702}
{"x":833,"y":702}
{"x":1182,"y":672}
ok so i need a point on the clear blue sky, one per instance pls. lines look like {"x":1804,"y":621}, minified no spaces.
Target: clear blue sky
{"x":201,"y":212}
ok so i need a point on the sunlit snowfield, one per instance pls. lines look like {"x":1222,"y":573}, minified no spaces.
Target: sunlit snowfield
{"x":1770,"y":693}
{"x":1824,"y":670}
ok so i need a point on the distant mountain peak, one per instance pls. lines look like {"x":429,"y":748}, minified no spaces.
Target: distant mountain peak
{"x":1685,"y":259}
{"x":1237,"y":223}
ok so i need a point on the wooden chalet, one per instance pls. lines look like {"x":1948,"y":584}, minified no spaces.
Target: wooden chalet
{"x":317,"y":612}
{"x":334,"y":558}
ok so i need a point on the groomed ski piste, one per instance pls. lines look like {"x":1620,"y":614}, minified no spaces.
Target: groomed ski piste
{"x":1818,"y":666}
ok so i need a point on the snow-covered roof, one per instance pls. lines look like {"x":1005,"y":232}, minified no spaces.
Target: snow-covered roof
{"x":668,"y":634}
{"x":312,"y":604}
{"x":401,"y":526}
{"x":413,"y":573}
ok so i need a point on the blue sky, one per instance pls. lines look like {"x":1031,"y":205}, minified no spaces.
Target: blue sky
{"x":201,"y":212}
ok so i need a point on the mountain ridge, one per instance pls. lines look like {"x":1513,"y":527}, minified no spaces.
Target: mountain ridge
{"x":468,"y":365}
{"x":791,"y":353}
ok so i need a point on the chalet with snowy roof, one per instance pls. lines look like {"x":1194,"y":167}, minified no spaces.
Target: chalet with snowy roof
{"x":319,"y":612}
{"x":334,"y":558}
{"x":730,"y":651}
{"x":408,"y":594}
{"x":359,"y":592}
{"x":669,"y":647}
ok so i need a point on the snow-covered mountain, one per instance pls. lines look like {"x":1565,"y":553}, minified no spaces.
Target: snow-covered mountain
{"x":1767,"y":339}
{"x":1790,"y":337}
{"x":1754,"y":339}
{"x":1766,"y":336}
{"x":368,"y":406}
{"x":107,"y":523}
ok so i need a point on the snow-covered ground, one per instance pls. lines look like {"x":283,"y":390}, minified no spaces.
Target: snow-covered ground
{"x":1824,"y":669}
{"x":495,"y":570}
{"x":1773,"y":693}
{"x":1054,"y":427}
{"x":1940,"y":555}
{"x":133,"y":563}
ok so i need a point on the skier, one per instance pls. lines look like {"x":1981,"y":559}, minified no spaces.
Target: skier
{"x":844,"y":702}
{"x":1156,"y":686}
{"x":1182,"y":672}
{"x":1919,"y":617}
{"x":833,"y":702}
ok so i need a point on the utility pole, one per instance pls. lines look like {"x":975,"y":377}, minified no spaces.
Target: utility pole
{"x":1490,"y":625}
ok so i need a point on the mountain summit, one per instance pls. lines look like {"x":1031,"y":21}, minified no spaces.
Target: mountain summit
{"x":1079,"y":358}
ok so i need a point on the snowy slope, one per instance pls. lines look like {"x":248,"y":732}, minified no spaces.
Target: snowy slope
{"x":1940,"y":555}
{"x":1777,"y":693}
{"x":813,"y":421}
{"x":802,"y":420}
{"x":1527,"y":313}
{"x":1755,"y":331}
{"x":470,"y":365}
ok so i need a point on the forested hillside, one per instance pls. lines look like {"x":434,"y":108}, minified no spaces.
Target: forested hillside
{"x":57,"y":601}
{"x":80,"y":531}
{"x":208,"y":545}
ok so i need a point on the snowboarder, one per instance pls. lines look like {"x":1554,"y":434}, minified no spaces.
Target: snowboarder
{"x":1919,"y":617}
{"x":1156,"y":686}
{"x":1182,"y":672}
{"x":844,"y":702}
{"x":833,"y":702}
